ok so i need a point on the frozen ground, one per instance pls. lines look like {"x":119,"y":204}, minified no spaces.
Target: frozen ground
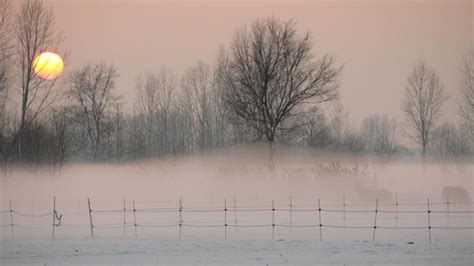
{"x":205,"y":181}
{"x":114,"y":251}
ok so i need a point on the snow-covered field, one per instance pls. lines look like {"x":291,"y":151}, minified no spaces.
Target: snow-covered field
{"x":199,"y":252}
{"x":204,"y":181}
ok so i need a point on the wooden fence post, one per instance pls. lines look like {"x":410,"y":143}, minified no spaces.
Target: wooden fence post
{"x":273,"y":220}
{"x":11,"y":219}
{"x":320,"y":223}
{"x":124,"y":216}
{"x":344,"y":210}
{"x":134,"y":218}
{"x":291,"y":213}
{"x":54,"y":215}
{"x":180,"y":218}
{"x":396,"y":210}
{"x":375,"y":218}
{"x":447,"y":208}
{"x":90,"y":217}
{"x":429,"y":220}
{"x":235,"y":214}
{"x":225,"y":218}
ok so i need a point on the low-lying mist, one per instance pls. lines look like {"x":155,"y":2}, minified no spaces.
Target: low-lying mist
{"x":246,"y":173}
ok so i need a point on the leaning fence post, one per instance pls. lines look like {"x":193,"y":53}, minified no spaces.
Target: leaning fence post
{"x":90,"y":217}
{"x":429,"y":220}
{"x":320,"y":223}
{"x":11,"y":218}
{"x":134,"y":217}
{"x":375,"y":218}
{"x":124,"y":216}
{"x":273,"y":220}
{"x":180,"y":218}
{"x":225,"y":219}
{"x":54,"y":215}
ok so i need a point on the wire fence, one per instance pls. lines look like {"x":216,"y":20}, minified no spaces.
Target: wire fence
{"x":374,"y":217}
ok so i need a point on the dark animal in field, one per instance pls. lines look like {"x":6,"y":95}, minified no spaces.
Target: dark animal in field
{"x":370,"y":193}
{"x":455,"y":195}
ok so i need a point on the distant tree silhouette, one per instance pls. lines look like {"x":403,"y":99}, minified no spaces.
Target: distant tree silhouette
{"x":92,"y":92}
{"x":424,"y":99}
{"x":466,"y":104}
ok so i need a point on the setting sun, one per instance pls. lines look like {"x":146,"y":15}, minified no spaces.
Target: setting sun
{"x":48,"y":65}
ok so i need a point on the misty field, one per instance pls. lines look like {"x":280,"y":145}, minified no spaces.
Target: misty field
{"x":243,"y":180}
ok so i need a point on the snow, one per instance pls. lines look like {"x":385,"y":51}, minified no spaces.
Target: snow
{"x":161,"y":184}
{"x":126,"y":251}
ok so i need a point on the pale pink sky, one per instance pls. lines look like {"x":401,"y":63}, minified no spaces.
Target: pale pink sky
{"x":377,"y":41}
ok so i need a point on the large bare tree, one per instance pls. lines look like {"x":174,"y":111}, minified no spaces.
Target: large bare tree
{"x":92,"y":91}
{"x":272,"y":75}
{"x":424,"y":99}
{"x":34,"y":29}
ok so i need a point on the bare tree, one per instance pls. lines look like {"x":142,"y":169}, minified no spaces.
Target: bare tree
{"x":198,"y":98}
{"x":318,"y":130}
{"x":272,"y":76}
{"x":339,"y":125}
{"x":154,"y":102}
{"x":92,"y":91}
{"x":379,"y":133}
{"x":424,"y":99}
{"x":34,"y":29}
{"x":466,"y":104}
{"x":5,"y":54}
{"x":449,"y":142}
{"x":5,"y":70}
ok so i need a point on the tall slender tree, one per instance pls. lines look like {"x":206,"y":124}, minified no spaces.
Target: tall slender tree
{"x":424,"y":99}
{"x":466,"y":104}
{"x":92,"y":92}
{"x":34,"y":30}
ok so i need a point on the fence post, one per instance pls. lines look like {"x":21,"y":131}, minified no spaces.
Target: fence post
{"x":396,"y":210}
{"x":134,"y":217}
{"x":291,"y":213}
{"x":429,"y":220}
{"x":11,"y":218}
{"x":235,"y":214}
{"x":124,"y":216}
{"x":180,"y":218}
{"x":54,"y":215}
{"x":320,"y":223}
{"x":375,"y":218}
{"x":447,"y":208}
{"x":344,"y":210}
{"x":225,"y":218}
{"x":273,"y":220}
{"x":90,"y":217}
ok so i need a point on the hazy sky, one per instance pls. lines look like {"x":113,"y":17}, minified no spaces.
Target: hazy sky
{"x":377,"y":41}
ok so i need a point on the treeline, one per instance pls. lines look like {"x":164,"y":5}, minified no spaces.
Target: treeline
{"x":265,"y":86}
